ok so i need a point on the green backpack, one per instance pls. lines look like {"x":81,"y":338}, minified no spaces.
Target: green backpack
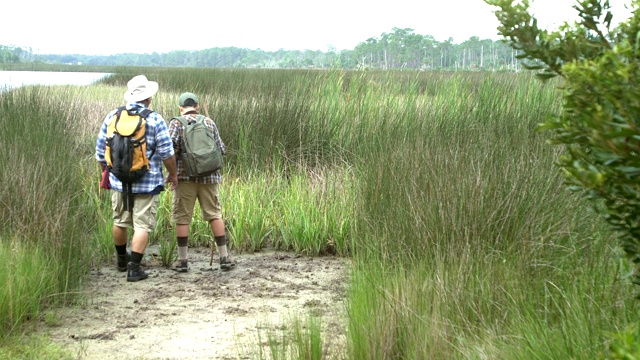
{"x":200,"y":153}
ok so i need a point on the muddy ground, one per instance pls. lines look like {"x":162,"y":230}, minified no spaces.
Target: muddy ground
{"x":205,"y":313}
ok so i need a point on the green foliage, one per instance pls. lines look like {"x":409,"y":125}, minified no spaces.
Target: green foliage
{"x":598,"y":126}
{"x":27,"y":276}
{"x":549,"y":51}
{"x":29,"y":346}
{"x":294,"y":339}
{"x":313,"y":213}
{"x":167,"y":251}
{"x":249,"y":211}
{"x":624,"y":345}
{"x":306,"y":213}
{"x":14,"y":55}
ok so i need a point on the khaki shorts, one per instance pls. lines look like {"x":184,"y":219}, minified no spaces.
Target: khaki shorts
{"x":143,"y":216}
{"x":184,"y":200}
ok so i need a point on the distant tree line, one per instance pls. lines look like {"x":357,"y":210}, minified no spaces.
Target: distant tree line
{"x":399,"y":49}
{"x":14,"y":55}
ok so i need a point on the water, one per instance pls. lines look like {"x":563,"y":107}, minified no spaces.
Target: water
{"x":13,"y":79}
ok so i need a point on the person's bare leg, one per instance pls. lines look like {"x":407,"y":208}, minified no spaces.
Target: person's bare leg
{"x":182,"y":230}
{"x":119,"y":235}
{"x":217,"y":227}
{"x":139,"y":241}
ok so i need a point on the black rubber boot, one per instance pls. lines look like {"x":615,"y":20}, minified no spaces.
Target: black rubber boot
{"x":123,"y":260}
{"x":135,"y":273}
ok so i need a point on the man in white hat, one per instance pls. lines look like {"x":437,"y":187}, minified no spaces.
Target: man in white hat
{"x":140,"y":214}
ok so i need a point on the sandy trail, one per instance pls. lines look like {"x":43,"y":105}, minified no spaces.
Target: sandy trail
{"x":205,"y":313}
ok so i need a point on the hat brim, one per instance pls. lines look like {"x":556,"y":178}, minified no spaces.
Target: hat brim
{"x":151,"y":89}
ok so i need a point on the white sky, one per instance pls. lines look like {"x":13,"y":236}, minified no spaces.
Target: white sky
{"x":115,"y":26}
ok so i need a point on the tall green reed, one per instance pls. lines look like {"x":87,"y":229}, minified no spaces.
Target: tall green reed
{"x":315,"y":212}
{"x":44,"y":208}
{"x":296,"y":338}
{"x":28,"y":276}
{"x":466,"y":235}
{"x":248,"y":210}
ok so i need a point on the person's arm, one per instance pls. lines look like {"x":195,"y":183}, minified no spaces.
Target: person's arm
{"x":101,"y":144}
{"x":172,"y":168}
{"x":164,"y":146}
{"x":175,"y":133}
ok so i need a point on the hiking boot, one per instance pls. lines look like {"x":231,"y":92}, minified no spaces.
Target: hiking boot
{"x":123,"y":260}
{"x":226,"y":263}
{"x":135,"y":273}
{"x":180,"y":266}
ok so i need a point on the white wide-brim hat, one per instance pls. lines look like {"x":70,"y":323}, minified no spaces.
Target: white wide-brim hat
{"x":139,"y":88}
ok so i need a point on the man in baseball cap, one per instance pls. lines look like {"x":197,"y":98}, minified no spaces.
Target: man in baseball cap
{"x":192,"y":188}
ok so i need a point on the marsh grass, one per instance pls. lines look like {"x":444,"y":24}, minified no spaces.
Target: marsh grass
{"x":315,"y":212}
{"x":27,"y":276}
{"x":167,"y":251}
{"x":306,"y":211}
{"x":45,"y":224}
{"x":295,"y":338}
{"x":465,"y":242}
{"x":250,"y":209}
{"x":27,"y":347}
{"x":468,"y":238}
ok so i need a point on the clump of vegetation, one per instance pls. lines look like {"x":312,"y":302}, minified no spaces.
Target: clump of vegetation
{"x":598,"y":126}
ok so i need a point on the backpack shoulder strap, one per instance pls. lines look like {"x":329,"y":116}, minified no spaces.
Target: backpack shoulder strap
{"x":145,"y":112}
{"x":117,"y":113}
{"x":182,"y":120}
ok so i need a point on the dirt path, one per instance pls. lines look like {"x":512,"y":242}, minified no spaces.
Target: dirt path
{"x":205,"y":313}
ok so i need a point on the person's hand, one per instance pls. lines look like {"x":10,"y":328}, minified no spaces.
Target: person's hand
{"x":173,"y":179}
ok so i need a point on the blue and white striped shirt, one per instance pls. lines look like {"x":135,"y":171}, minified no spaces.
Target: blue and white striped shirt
{"x":157,"y":138}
